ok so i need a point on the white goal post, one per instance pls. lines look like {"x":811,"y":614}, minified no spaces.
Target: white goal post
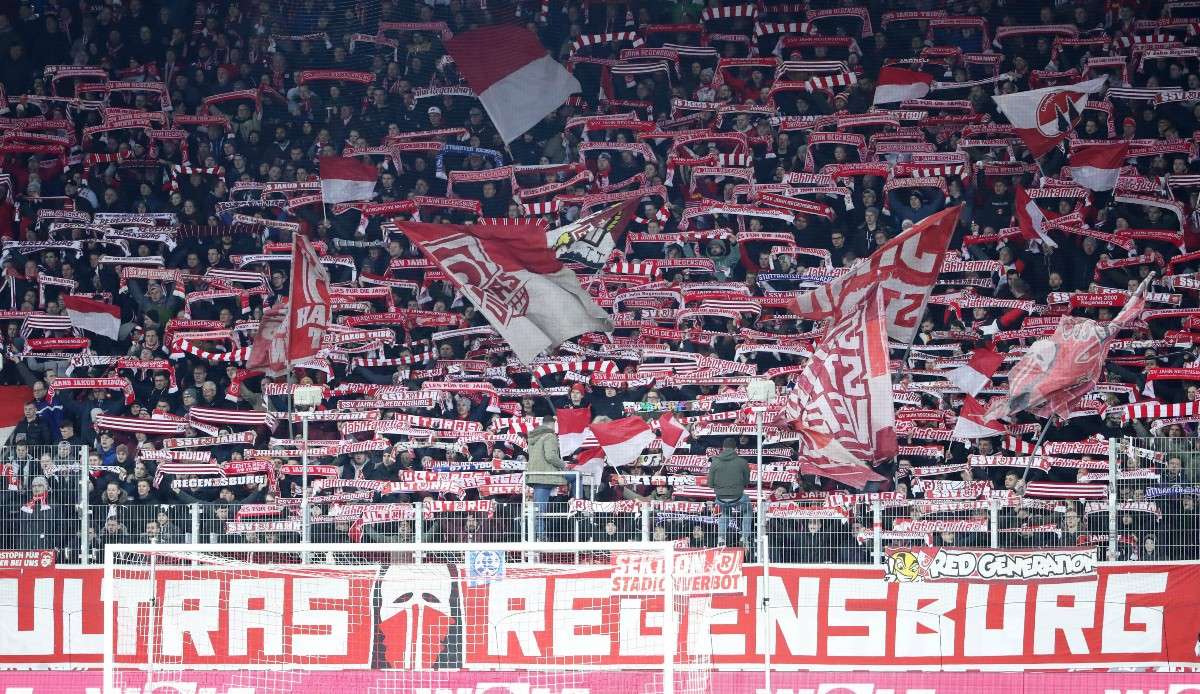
{"x":401,"y":617}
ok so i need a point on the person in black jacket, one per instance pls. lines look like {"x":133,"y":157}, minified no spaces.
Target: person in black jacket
{"x":33,"y":428}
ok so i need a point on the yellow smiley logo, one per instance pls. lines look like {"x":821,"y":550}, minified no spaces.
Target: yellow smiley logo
{"x":905,"y":566}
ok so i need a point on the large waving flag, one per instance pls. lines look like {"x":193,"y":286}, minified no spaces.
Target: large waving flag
{"x":510,"y":274}
{"x":1097,"y":167}
{"x":591,"y":239}
{"x":905,"y":267}
{"x":976,"y":373}
{"x":1044,"y":117}
{"x":98,"y":317}
{"x":346,"y":179}
{"x":516,"y":80}
{"x":898,"y":84}
{"x":310,"y":306}
{"x":623,"y":440}
{"x":1060,"y":369}
{"x":842,"y":403}
{"x":291,"y":330}
{"x":1031,"y":219}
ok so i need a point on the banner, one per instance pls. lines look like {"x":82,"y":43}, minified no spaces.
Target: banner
{"x":1142,"y":614}
{"x":906,"y":564}
{"x":596,"y":681}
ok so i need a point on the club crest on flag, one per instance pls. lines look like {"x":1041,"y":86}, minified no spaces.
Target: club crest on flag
{"x":463,"y":257}
{"x":1056,"y":113}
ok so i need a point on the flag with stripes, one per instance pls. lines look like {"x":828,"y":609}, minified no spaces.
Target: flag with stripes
{"x":1066,"y":490}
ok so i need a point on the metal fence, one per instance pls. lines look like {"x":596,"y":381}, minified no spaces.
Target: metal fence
{"x":65,"y":499}
{"x":44,"y":499}
{"x":1158,"y":486}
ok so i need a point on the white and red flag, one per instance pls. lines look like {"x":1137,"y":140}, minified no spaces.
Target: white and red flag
{"x":854,"y":475}
{"x":842,"y":403}
{"x":93,"y":316}
{"x":291,"y":330}
{"x":1031,"y":219}
{"x":510,"y":274}
{"x":972,"y":422}
{"x":623,"y":440}
{"x":268,"y":352}
{"x":975,"y":374}
{"x":1058,"y":370}
{"x":345,"y":179}
{"x":309,"y":302}
{"x":905,"y":268}
{"x":514,"y":77}
{"x":1045,"y":117}
{"x":572,"y":425}
{"x":1097,"y":167}
{"x":898,"y":84}
{"x":671,"y":433}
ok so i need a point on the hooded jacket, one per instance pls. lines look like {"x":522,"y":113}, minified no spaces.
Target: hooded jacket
{"x":545,"y":462}
{"x":729,"y":475}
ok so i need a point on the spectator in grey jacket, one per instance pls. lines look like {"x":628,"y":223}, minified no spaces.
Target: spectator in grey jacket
{"x":729,"y":475}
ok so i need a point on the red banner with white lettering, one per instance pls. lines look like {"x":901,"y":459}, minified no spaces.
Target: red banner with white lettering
{"x":308,"y":317}
{"x":1145,"y":614}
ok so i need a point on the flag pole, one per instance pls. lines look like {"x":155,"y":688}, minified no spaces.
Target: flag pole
{"x":1036,"y":447}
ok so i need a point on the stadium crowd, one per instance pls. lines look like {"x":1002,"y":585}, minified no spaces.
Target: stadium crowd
{"x":159,"y":157}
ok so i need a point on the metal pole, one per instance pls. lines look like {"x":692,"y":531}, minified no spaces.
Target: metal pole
{"x":1113,"y":471}
{"x":419,"y":529}
{"x":763,"y":556}
{"x":1036,"y":448}
{"x":876,"y":531}
{"x":107,"y":596}
{"x":670,"y":620}
{"x":195,"y":511}
{"x":758,"y":455}
{"x":85,"y":510}
{"x":305,"y":524}
{"x":994,"y":515}
{"x":150,"y":645}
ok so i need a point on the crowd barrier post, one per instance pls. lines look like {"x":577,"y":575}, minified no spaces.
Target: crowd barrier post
{"x":1113,"y":474}
{"x":994,"y":521}
{"x":876,"y":531}
{"x":85,"y":509}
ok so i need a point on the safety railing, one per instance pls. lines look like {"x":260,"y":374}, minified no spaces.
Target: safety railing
{"x":72,"y":502}
{"x":45,"y":491}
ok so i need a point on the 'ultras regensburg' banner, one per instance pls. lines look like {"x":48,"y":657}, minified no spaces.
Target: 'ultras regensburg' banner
{"x":428,"y":616}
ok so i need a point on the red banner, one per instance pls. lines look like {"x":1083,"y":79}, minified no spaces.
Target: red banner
{"x":840,"y":618}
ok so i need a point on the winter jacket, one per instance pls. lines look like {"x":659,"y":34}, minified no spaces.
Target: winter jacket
{"x":729,"y":475}
{"x":545,"y":462}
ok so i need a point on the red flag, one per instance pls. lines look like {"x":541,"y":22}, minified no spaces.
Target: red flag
{"x":309,"y":302}
{"x":1060,"y":369}
{"x":905,"y":268}
{"x":572,"y":427}
{"x":1031,"y":219}
{"x":842,"y":404}
{"x":854,"y":475}
{"x":972,"y":423}
{"x":346,"y":180}
{"x":898,"y":84}
{"x":624,"y":439}
{"x":94,"y":316}
{"x":269,"y":350}
{"x":976,"y":373}
{"x":1097,"y":167}
{"x":671,"y":433}
{"x":1044,"y":117}
{"x":510,"y":274}
{"x":516,"y":80}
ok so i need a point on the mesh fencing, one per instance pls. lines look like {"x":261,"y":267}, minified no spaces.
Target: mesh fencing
{"x":53,"y":505}
{"x":43,"y":500}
